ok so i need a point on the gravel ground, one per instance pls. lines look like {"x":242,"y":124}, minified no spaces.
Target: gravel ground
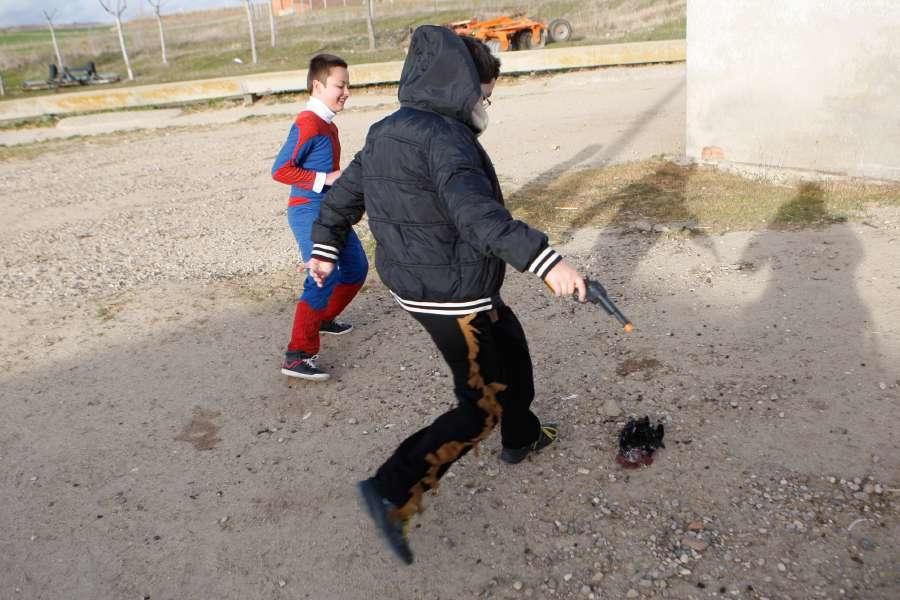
{"x":151,"y":449}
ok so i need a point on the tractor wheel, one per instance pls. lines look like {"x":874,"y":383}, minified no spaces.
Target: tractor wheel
{"x":560,"y":30}
{"x":525,"y":41}
{"x":493,"y":46}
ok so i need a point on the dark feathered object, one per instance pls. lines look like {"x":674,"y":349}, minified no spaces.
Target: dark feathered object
{"x":638,"y":440}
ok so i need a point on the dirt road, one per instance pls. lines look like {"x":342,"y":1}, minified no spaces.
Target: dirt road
{"x":151,"y":449}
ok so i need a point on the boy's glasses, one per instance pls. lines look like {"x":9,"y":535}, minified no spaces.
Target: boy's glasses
{"x":485,"y":101}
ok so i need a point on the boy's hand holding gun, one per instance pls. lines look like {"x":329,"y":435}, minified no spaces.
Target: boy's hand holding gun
{"x":564,"y":280}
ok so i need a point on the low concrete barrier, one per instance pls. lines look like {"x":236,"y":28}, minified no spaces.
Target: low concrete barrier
{"x":546,"y":59}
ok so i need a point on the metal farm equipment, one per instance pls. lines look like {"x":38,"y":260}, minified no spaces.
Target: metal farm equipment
{"x":69,"y":77}
{"x":516,"y":32}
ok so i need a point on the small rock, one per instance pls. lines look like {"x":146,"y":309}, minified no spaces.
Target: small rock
{"x":695,"y":526}
{"x":597,"y":577}
{"x":517,"y":585}
{"x":583,"y":471}
{"x":781,"y":567}
{"x":632,"y":593}
{"x":694,"y":544}
{"x":567,"y":577}
{"x":282,"y":583}
{"x":867,"y":544}
{"x":611,"y":408}
{"x":352,"y":421}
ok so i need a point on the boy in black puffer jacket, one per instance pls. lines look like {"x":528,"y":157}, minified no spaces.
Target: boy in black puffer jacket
{"x":443,"y":240}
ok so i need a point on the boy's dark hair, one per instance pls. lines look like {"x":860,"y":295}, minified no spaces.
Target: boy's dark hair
{"x":320,"y":66}
{"x":487,"y":64}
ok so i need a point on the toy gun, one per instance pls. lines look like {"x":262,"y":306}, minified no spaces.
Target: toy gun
{"x":596,"y":294}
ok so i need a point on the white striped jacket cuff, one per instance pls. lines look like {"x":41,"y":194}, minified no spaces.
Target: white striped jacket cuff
{"x":326,"y":253}
{"x":545,"y":261}
{"x":319,"y":183}
{"x":445,"y":308}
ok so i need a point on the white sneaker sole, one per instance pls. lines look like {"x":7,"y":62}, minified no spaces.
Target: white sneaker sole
{"x":344,"y":332}
{"x":319,"y":377}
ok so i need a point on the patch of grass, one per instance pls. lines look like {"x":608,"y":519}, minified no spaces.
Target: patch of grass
{"x":660,"y":192}
{"x":30,"y":123}
{"x":108,"y":311}
{"x":41,"y":35}
{"x":675,"y":29}
{"x":204,"y":44}
{"x":35,"y":149}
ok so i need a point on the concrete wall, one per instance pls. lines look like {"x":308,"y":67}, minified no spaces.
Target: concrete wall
{"x":795,"y":84}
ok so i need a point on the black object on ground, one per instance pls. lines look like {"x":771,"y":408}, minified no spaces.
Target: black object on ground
{"x":638,"y":440}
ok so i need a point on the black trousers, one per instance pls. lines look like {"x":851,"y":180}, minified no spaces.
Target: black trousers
{"x":493,"y":383}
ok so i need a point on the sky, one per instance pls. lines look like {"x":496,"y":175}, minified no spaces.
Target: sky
{"x":30,"y":12}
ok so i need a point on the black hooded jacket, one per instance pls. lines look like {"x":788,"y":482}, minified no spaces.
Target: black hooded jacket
{"x":430,"y":191}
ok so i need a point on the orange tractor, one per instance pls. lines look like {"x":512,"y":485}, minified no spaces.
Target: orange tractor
{"x":514,"y":32}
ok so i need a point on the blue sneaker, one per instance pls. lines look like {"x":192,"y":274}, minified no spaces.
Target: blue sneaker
{"x":392,"y":532}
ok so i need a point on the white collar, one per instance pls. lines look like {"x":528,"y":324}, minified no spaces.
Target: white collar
{"x":317,"y":106}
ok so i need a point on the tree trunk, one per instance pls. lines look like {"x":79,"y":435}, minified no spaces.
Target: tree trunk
{"x":272,"y":24}
{"x":56,"y":47}
{"x":124,"y":51}
{"x":162,"y":37}
{"x":252,"y":32}
{"x":370,"y":16}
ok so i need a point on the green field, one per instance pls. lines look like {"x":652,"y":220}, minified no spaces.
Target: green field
{"x":205,"y":44}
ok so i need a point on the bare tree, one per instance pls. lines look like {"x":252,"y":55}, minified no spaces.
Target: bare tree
{"x":50,"y":17}
{"x":272,"y":24}
{"x":370,"y":16}
{"x":252,"y":32}
{"x":157,"y":4}
{"x":120,"y":6}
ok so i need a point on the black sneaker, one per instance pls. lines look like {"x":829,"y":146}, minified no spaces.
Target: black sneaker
{"x":548,"y":434}
{"x":379,"y":508}
{"x":302,"y":365}
{"x":335,"y":327}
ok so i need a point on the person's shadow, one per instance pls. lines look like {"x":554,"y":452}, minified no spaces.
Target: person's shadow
{"x":808,"y":336}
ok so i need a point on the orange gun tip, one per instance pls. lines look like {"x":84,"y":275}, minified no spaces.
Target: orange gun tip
{"x":628,"y":328}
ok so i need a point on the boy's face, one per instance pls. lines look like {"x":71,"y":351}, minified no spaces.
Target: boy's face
{"x":488,"y":88}
{"x":335,"y":91}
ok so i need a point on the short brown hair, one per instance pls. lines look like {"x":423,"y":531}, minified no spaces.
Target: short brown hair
{"x":320,"y":66}
{"x":487,"y":64}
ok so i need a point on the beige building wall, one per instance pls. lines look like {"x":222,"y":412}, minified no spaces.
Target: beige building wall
{"x":795,"y":84}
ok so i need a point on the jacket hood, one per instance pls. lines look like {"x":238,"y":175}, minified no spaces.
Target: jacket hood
{"x":439,"y":74}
